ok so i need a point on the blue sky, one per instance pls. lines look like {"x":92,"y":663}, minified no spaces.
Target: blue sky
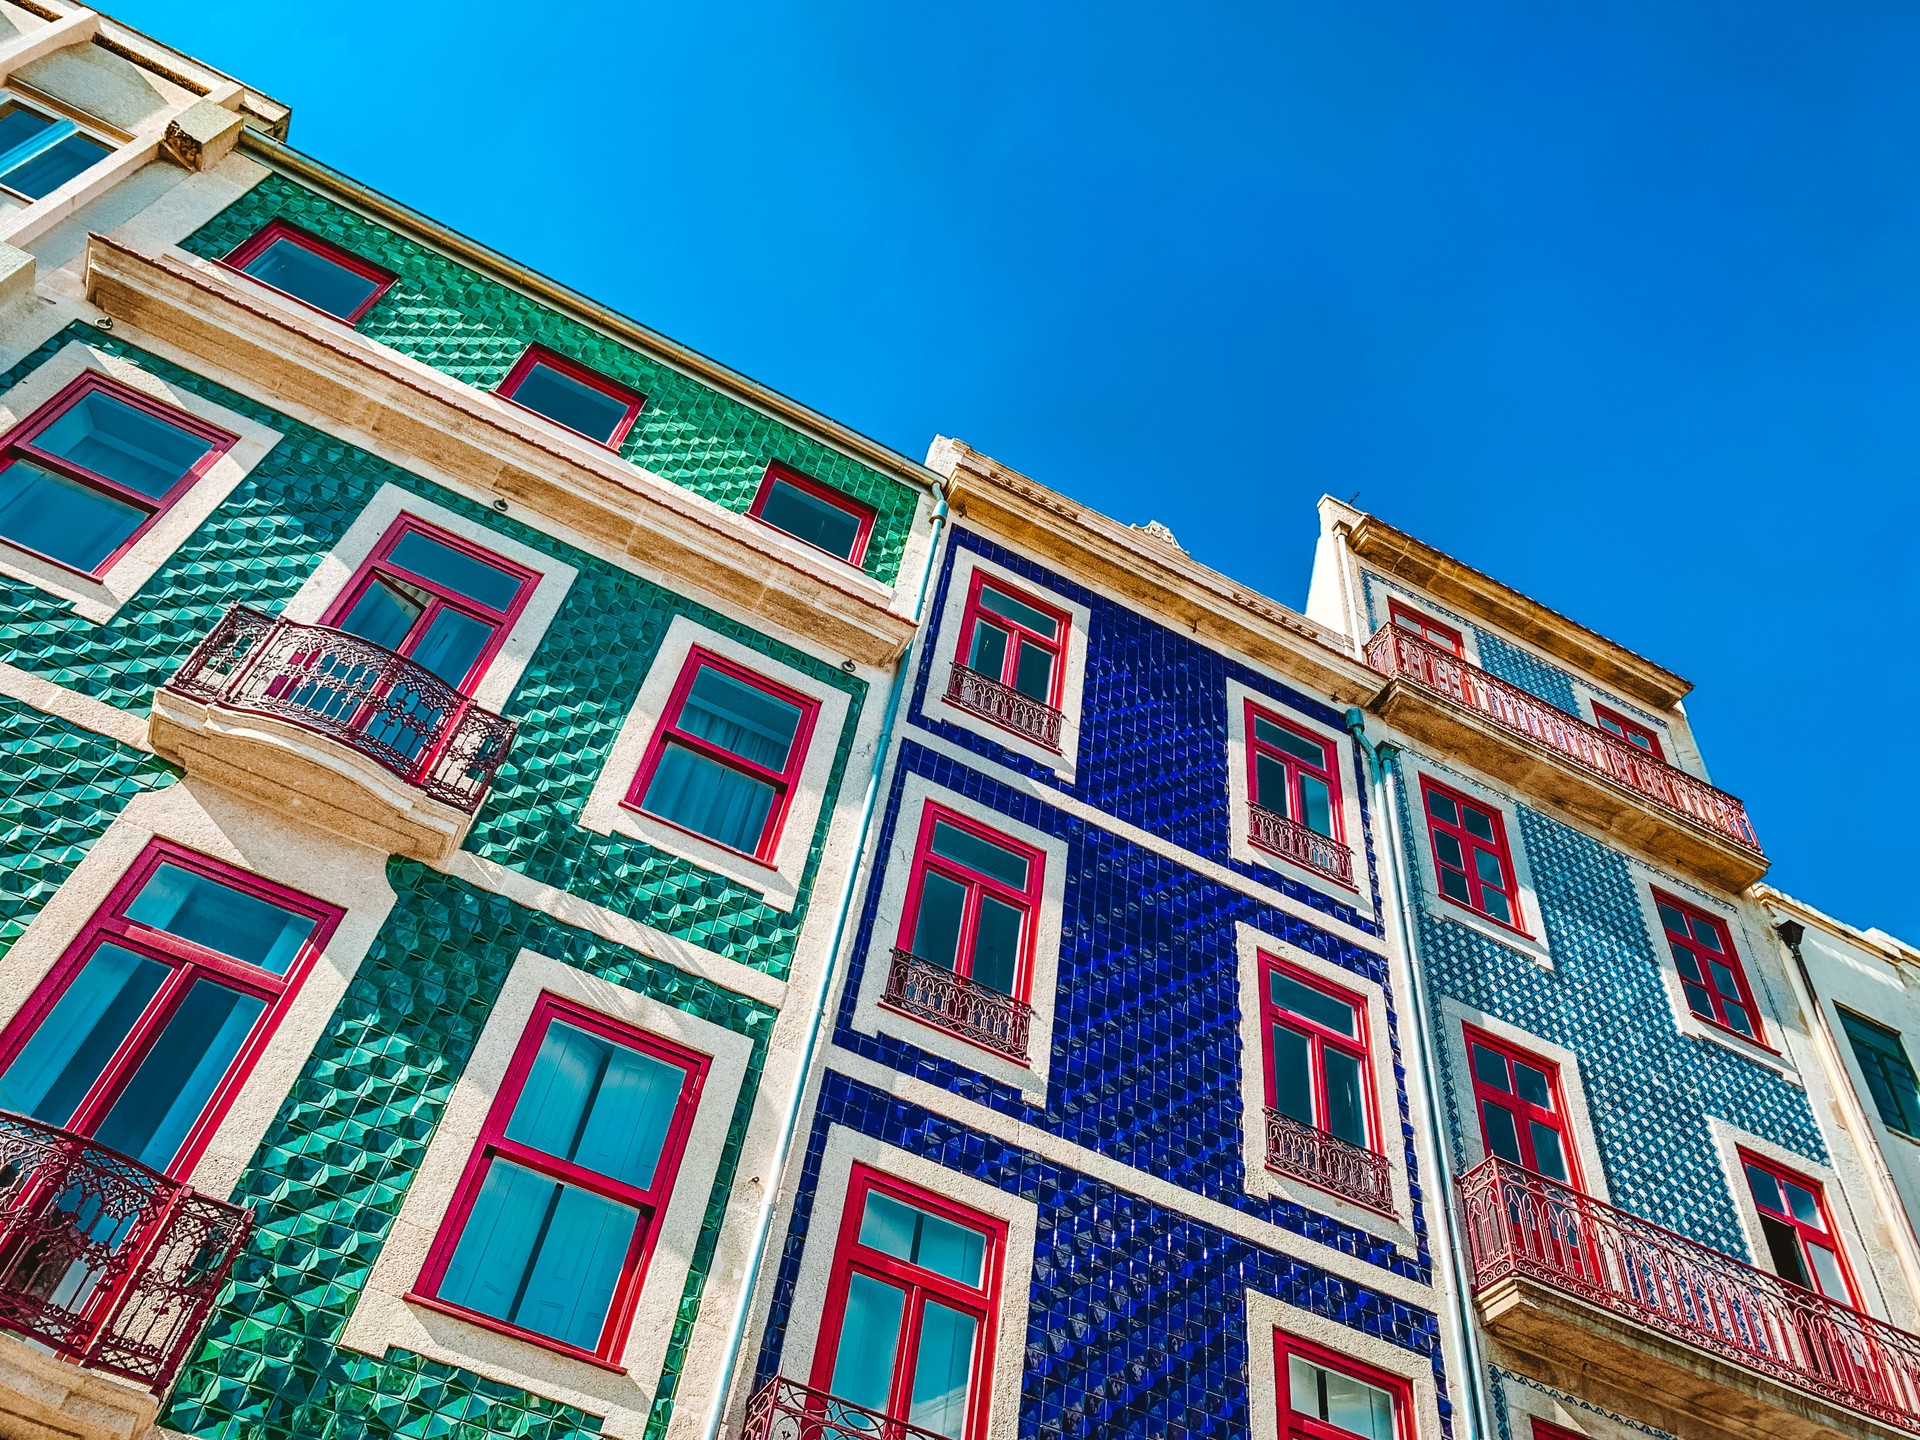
{"x":1618,"y":302}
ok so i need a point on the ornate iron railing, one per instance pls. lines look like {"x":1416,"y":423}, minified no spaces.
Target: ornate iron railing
{"x":376,"y":703}
{"x":1329,"y":1162}
{"x":1271,"y":830}
{"x":1522,"y":1224}
{"x":975,"y":1012}
{"x":104,"y":1261}
{"x":1401,"y":654}
{"x":787,"y":1410}
{"x":1004,"y":705}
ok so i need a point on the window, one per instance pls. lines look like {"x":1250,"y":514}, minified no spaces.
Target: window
{"x":89,"y":472}
{"x":1432,"y":631}
{"x":1888,"y":1071}
{"x":1292,"y":773}
{"x":570,"y":394}
{"x":312,"y":270}
{"x":1799,"y":1235}
{"x":1014,"y":640}
{"x":1710,"y":971}
{"x":1472,"y":862}
{"x":1632,"y":731}
{"x":1316,"y":1039}
{"x":971,"y":902}
{"x":908,"y":1327}
{"x":1547,"y":1430}
{"x":810,"y":511}
{"x":445,"y":604}
{"x":1324,"y":1396}
{"x":40,"y":151}
{"x":551,"y":1227}
{"x":143,"y":1032}
{"x":1522,"y":1117}
{"x":726,"y":756}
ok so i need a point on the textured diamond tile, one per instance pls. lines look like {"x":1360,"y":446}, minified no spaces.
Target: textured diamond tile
{"x":473,"y":329}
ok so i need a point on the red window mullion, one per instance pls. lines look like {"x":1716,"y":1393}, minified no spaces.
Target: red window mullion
{"x":975,"y":885}
{"x":1018,"y":634}
{"x":1826,"y":1238}
{"x":1524,"y":1112}
{"x":1319,"y":1039}
{"x":83,"y":476}
{"x":1298,"y":1426}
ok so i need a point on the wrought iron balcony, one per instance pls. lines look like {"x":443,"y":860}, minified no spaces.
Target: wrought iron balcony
{"x":1005,"y":706}
{"x":1271,"y":830}
{"x":1327,"y":1161}
{"x":1589,"y":770}
{"x":105,"y":1262}
{"x":787,"y":1410}
{"x":256,"y":685}
{"x":1522,"y":1226}
{"x":972,"y":1011}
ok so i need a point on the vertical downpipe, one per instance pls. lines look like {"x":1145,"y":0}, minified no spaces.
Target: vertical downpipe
{"x":817,"y":1002}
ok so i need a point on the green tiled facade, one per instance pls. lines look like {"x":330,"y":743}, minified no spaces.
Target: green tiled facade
{"x":473,"y":328}
{"x":265,"y":539}
{"x":331,"y":1174}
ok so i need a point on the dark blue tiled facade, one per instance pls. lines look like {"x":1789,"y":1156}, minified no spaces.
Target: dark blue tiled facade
{"x":1136,"y":1322}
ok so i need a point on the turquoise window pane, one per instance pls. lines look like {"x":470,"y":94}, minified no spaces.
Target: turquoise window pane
{"x":996,"y":944}
{"x":943,"y":1370}
{"x":1346,"y":1098}
{"x":66,"y":1053}
{"x":455,"y":570}
{"x":1339,"y":1400}
{"x":806,"y":516}
{"x":869,"y":1342}
{"x":452,"y":645}
{"x":1270,"y":790}
{"x":168,"y":1093}
{"x":1292,"y":1075}
{"x":104,"y":434}
{"x":198,"y":908}
{"x":47,"y":171}
{"x":979,"y":854}
{"x":909,"y":1233}
{"x":540,"y":1254}
{"x":18,"y":125}
{"x":1019,"y":611}
{"x":606,"y":1107}
{"x":559,"y":396}
{"x":305,"y":274}
{"x":936,"y":928}
{"x":988,"y":651}
{"x":1335,"y":1014}
{"x":698,"y":793}
{"x":1033,"y":676}
{"x":1316,"y":805}
{"x":741,"y":719}
{"x":386,"y":611}
{"x":63,"y":519}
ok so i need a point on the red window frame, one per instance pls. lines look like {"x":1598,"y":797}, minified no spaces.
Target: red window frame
{"x":983,"y":1301}
{"x":1319,"y":1039}
{"x":189,"y":962}
{"x":379,"y":562}
{"x":865,"y":514}
{"x":494,"y":1143}
{"x":1297,"y":1425}
{"x":17,"y":444}
{"x":1022,"y":634}
{"x":1524,"y":1112}
{"x":540,"y":355}
{"x":1434,"y":632}
{"x":1327,"y":771}
{"x":785,"y":782}
{"x":976,"y":884}
{"x":250,"y":249}
{"x":1632,"y":731}
{"x":1547,"y":1430}
{"x":1824,"y":1234}
{"x":1706,"y":991}
{"x":1500,"y":847}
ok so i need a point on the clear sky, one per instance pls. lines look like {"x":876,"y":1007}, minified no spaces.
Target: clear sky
{"x":1618,"y":302}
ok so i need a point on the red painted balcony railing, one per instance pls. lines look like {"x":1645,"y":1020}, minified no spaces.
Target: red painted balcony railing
{"x":1329,"y":1162}
{"x":1521,"y":1224}
{"x":1004,"y":705}
{"x":1271,"y":830}
{"x":379,"y":704}
{"x":1401,"y":654}
{"x":975,"y":1012}
{"x":786,"y":1410}
{"x":106,"y":1262}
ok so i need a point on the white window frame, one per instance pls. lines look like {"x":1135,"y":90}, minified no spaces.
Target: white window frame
{"x":778,"y":881}
{"x":1240,"y":799}
{"x":872,"y":1018}
{"x":946,"y":638}
{"x":99,"y":598}
{"x":383,"y":1319}
{"x":845,"y":1148}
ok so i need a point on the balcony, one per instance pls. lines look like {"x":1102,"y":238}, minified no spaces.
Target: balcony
{"x":1005,"y":706}
{"x":1274,"y":832}
{"x":976,"y":1013}
{"x":108,"y":1265}
{"x":1435,"y":696}
{"x":1668,"y":1330}
{"x":1329,"y":1163}
{"x":333,"y":728}
{"x":786,"y":1410}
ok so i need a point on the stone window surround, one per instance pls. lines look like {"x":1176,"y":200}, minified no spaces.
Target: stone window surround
{"x":382,"y":1318}
{"x":869,"y":1017}
{"x":1266,"y":1316}
{"x":1239,"y":800}
{"x":100,"y":598}
{"x":1532,"y":944}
